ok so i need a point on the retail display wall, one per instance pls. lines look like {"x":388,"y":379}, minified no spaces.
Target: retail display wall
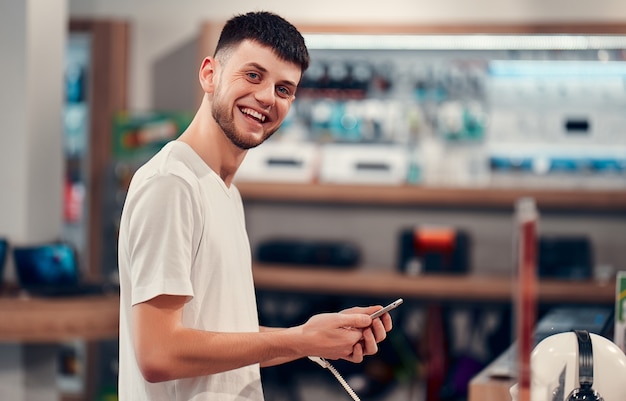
{"x":424,"y":130}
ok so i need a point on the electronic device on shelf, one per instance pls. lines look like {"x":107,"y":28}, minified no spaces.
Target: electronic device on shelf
{"x":382,"y":164}
{"x":594,"y":319}
{"x":52,"y":270}
{"x":433,"y":250}
{"x":325,"y":253}
{"x":275,"y":161}
{"x":565,"y":257}
{"x":4,"y":245}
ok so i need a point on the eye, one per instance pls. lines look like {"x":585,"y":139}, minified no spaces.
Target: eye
{"x":283,"y":92}
{"x":253,"y":76}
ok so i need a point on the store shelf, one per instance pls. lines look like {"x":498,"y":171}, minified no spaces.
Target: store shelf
{"x":54,"y":320}
{"x":370,"y":282}
{"x":563,"y":199}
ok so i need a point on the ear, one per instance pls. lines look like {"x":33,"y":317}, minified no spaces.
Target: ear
{"x":208,"y":74}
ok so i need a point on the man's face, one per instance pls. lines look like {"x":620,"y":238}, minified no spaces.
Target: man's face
{"x":253,"y":93}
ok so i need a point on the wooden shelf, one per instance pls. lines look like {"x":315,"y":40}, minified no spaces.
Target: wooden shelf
{"x":405,"y":195}
{"x":428,"y":286}
{"x":50,"y":320}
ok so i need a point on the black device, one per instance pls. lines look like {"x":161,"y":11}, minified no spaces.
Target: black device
{"x":4,"y":245}
{"x":585,"y":370}
{"x":51,"y":270}
{"x":337,"y":254}
{"x":565,"y":257}
{"x":433,"y":250}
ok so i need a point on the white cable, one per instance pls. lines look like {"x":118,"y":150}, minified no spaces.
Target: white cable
{"x":325,"y":364}
{"x":344,"y":383}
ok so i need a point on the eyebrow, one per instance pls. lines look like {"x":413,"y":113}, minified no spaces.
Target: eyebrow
{"x":264,"y":70}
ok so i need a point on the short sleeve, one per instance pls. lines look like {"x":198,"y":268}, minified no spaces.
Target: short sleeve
{"x":161,"y":217}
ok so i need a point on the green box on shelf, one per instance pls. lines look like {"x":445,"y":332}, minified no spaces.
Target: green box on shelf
{"x":138,"y":135}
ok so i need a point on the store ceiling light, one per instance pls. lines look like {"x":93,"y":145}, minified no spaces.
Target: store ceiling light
{"x":329,"y":41}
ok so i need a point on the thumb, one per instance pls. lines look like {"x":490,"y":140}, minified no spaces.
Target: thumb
{"x":356,"y":320}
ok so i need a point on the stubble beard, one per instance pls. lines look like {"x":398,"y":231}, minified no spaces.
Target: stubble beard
{"x":226,"y":122}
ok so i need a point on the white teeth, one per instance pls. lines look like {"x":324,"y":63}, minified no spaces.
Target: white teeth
{"x":254,"y":114}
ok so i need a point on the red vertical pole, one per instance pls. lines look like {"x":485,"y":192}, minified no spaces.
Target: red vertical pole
{"x":526,"y":296}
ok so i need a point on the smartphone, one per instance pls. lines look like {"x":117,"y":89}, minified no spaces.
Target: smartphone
{"x":387,"y":308}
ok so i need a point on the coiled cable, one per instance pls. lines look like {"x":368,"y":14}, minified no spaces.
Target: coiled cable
{"x":325,"y":364}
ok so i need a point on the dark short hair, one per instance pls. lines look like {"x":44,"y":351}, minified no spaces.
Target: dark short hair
{"x":269,"y":30}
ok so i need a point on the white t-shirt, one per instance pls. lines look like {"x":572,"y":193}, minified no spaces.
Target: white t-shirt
{"x":183,"y":232}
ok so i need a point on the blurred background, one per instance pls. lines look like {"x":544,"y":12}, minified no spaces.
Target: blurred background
{"x":415,"y":131}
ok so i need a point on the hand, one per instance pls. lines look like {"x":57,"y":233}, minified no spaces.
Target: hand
{"x":336,"y":335}
{"x":372,"y":335}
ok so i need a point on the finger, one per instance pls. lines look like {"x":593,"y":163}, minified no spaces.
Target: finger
{"x":368,"y":310}
{"x":385,"y":321}
{"x":357,"y":353}
{"x":379,"y":332}
{"x":385,"y":318}
{"x":370,"y":346}
{"x":356,"y":320}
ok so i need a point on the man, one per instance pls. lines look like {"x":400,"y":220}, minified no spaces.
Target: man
{"x":188,"y":319}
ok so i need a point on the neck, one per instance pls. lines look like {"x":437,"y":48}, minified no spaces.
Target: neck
{"x":207,"y":139}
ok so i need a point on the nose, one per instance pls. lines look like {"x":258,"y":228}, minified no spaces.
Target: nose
{"x":266,"y":95}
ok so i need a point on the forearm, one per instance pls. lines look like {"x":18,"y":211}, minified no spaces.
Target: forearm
{"x":279,"y":360}
{"x":165,"y":349}
{"x":190,"y":353}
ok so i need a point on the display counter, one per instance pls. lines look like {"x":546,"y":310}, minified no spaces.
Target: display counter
{"x":491,"y":384}
{"x":495,"y":380}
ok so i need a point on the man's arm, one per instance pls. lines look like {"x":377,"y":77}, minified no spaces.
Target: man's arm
{"x":372,"y":335}
{"x":167,"y":350}
{"x":274,"y":361}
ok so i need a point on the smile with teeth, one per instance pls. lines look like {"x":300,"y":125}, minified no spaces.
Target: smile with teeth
{"x":254,"y":114}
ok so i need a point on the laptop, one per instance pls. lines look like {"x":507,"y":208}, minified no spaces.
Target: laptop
{"x":52,"y":270}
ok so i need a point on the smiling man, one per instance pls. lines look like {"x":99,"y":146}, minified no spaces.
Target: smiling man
{"x":188,"y":320}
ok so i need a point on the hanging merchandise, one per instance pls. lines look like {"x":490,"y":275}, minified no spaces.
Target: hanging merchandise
{"x":74,"y":192}
{"x":74,"y":195}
